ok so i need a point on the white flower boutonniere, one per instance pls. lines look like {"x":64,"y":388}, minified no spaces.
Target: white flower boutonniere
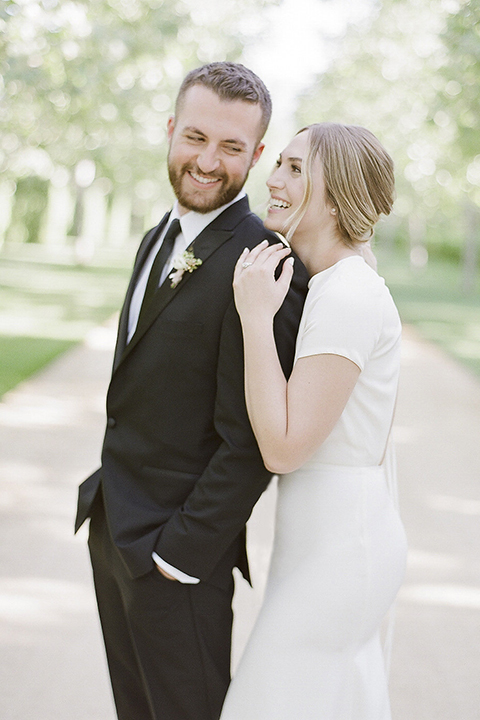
{"x":186,"y":262}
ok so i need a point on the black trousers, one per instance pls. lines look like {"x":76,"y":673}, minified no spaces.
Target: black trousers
{"x":168,"y":644}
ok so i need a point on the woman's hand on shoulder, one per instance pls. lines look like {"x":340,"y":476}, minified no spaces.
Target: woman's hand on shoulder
{"x":256,"y":290}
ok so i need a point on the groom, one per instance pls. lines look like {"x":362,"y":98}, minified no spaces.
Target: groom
{"x":180,"y":469}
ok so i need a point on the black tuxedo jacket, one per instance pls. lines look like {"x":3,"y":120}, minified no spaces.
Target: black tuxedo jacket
{"x":180,"y":468}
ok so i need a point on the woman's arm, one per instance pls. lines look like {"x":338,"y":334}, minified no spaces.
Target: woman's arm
{"x":290,"y":420}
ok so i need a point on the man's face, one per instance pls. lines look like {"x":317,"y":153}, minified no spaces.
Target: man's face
{"x":213,"y":145}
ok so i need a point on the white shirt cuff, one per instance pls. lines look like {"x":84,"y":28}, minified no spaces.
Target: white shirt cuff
{"x":174,"y":572}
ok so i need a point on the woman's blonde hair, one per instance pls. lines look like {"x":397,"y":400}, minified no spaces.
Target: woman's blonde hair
{"x":358,"y":175}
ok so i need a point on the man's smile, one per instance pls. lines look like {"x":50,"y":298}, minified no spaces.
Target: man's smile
{"x":202,"y":179}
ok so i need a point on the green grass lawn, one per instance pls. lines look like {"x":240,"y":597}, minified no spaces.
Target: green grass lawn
{"x":431,"y":299}
{"x":45,"y":308}
{"x":24,"y":356}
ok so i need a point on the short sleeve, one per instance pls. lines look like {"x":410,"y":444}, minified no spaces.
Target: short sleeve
{"x":341,"y":318}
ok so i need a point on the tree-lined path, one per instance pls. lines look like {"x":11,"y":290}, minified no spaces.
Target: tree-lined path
{"x":51,"y":657}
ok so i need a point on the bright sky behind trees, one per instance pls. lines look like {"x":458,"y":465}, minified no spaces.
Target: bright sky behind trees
{"x":88,"y":86}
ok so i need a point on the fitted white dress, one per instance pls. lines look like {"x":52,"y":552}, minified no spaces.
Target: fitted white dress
{"x":339,"y":552}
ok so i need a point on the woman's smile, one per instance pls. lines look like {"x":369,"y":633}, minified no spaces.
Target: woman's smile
{"x":277,"y":204}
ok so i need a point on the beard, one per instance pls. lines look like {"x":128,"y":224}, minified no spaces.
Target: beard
{"x":195,"y":200}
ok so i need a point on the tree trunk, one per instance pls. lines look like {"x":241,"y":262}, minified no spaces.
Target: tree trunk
{"x":470,"y":247}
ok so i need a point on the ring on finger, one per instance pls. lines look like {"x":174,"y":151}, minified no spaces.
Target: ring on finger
{"x":246,"y":264}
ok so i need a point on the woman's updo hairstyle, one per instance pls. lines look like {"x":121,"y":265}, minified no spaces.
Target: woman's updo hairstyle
{"x":358,"y":174}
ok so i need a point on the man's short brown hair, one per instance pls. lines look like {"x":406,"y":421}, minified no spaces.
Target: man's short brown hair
{"x":230,"y":81}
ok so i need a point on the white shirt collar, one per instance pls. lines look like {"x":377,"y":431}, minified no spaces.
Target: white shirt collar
{"x":193,"y":223}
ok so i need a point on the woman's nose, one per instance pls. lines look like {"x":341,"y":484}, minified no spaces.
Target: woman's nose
{"x":207,"y":160}
{"x":275,"y":180}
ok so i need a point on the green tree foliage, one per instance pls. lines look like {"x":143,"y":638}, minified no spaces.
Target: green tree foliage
{"x":460,"y":97}
{"x":94,"y":81}
{"x":410,"y":74}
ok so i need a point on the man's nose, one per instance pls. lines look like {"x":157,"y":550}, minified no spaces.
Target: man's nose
{"x":208,"y":160}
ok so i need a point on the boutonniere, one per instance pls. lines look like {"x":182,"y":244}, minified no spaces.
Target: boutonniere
{"x":185,"y":262}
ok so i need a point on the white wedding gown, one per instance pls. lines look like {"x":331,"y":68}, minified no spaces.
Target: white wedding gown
{"x":339,"y":552}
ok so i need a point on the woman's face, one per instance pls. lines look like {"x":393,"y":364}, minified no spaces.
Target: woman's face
{"x":287,"y":186}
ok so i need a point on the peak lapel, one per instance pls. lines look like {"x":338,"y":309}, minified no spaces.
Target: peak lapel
{"x":203,"y":246}
{"x":145,"y":247}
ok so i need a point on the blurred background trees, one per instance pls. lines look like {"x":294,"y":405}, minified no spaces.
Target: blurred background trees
{"x":86,"y":91}
{"x":411,"y":74}
{"x":88,"y":86}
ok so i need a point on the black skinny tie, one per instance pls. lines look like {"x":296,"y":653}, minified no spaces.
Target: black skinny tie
{"x":159,"y":262}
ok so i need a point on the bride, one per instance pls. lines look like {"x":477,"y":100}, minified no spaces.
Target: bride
{"x":339,"y":551}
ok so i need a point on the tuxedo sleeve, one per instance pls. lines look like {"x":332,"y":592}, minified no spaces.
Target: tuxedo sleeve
{"x":201,"y":531}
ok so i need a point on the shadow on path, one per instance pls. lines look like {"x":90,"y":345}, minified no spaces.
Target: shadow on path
{"x":51,"y":655}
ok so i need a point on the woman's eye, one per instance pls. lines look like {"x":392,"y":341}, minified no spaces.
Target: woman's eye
{"x":296,"y":169}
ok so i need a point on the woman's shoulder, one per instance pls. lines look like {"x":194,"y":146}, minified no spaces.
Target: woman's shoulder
{"x":350,"y":280}
{"x":351,"y":290}
{"x":348,"y":311}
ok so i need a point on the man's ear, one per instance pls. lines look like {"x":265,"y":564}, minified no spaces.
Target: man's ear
{"x":170,"y":126}
{"x":257,"y":153}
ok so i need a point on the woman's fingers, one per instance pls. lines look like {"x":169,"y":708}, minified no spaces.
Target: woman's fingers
{"x":271,"y":256}
{"x":286,"y":275}
{"x":239,"y":264}
{"x":262,"y":255}
{"x":257,"y":250}
{"x":248,"y":257}
{"x":255,"y":287}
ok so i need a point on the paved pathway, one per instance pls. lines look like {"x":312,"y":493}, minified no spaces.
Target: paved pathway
{"x":51,"y":656}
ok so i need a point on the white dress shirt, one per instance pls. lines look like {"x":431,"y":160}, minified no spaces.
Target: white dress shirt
{"x":192,"y":224}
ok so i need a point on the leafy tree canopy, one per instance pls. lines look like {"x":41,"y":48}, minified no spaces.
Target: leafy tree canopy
{"x":94,"y":81}
{"x":411,"y":74}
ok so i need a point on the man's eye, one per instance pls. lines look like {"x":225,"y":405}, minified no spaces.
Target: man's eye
{"x":194,"y":138}
{"x":232,"y":149}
